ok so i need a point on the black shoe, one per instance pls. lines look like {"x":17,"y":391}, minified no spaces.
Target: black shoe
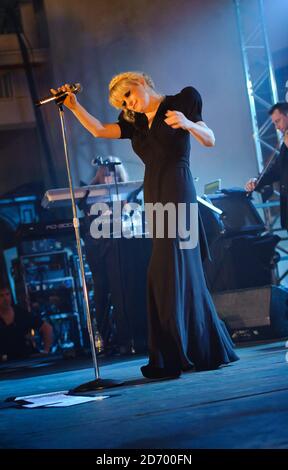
{"x":151,"y":372}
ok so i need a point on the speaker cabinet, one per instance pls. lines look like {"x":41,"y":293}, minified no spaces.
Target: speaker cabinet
{"x":255,"y":308}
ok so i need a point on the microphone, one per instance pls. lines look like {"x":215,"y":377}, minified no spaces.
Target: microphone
{"x":99,"y":161}
{"x":61,"y":95}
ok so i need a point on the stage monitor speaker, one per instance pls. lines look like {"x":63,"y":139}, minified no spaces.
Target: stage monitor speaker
{"x":255,"y":308}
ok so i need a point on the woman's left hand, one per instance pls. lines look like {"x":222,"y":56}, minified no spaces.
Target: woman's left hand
{"x":176,"y":119}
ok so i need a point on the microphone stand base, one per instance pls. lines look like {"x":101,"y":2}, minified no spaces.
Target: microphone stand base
{"x":97,"y":384}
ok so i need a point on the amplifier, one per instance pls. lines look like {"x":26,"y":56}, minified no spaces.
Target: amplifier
{"x":67,"y":331}
{"x":43,"y":237}
{"x":263,"y":308}
{"x":28,"y":231}
{"x":45,"y":266}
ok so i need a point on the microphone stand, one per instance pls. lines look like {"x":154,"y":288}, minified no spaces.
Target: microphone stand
{"x":112,"y":168}
{"x":98,"y":383}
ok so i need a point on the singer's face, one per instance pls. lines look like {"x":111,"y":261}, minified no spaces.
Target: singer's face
{"x":137,"y":98}
{"x":280,"y":120}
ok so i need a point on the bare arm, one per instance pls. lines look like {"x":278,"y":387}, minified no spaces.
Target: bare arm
{"x":200,"y":131}
{"x":92,"y":124}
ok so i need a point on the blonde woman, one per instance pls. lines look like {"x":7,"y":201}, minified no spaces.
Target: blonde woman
{"x":183,"y":326}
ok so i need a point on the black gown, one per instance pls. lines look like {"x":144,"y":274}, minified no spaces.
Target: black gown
{"x":184,"y":329}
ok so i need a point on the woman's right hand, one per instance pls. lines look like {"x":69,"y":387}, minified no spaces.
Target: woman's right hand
{"x":70,"y":100}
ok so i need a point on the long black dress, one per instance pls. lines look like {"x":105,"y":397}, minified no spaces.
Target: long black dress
{"x":184,"y":329}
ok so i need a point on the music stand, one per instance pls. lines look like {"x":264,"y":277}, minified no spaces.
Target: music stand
{"x":98,"y":383}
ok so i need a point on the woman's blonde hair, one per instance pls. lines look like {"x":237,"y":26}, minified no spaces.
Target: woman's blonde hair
{"x":119,"y":85}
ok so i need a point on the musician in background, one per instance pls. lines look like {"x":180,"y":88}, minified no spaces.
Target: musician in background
{"x":105,"y":176}
{"x":16,"y":324}
{"x":278,"y":170}
{"x":103,"y":257}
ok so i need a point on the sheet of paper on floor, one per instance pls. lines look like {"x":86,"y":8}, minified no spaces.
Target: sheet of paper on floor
{"x":55,"y":399}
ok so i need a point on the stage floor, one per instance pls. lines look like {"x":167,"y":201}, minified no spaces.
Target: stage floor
{"x":240,"y":406}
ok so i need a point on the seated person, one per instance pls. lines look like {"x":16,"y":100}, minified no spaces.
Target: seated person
{"x":16,"y":324}
{"x":105,"y":176}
